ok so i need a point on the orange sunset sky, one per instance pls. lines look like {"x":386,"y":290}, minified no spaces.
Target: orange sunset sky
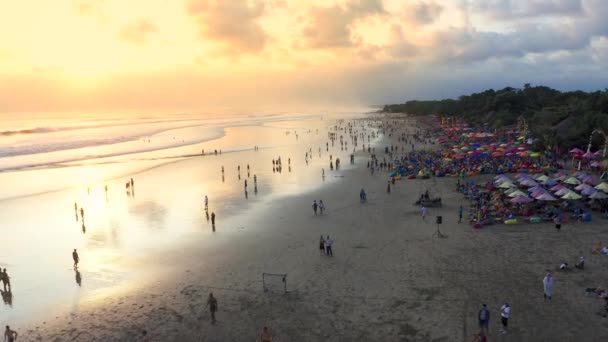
{"x":196,"y":54}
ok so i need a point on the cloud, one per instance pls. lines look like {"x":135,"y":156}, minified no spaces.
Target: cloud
{"x":234,"y":24}
{"x":422,"y":12}
{"x":518,"y":9}
{"x":469,"y":45}
{"x":400,"y":47}
{"x":138,"y":31}
{"x":92,"y":8}
{"x":332,"y":27}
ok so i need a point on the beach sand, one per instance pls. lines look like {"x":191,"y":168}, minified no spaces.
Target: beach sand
{"x":390,"y":278}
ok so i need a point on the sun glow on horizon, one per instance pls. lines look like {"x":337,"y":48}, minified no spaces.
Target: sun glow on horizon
{"x":198,"y":53}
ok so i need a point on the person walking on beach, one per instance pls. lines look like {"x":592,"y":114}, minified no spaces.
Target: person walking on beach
{"x":322,"y":245}
{"x":321,"y":206}
{"x":6,"y":280}
{"x":265,"y":335}
{"x":460,"y":211}
{"x":484,"y":318}
{"x":76,"y":258}
{"x":82,"y":213}
{"x":206,"y":202}
{"x":424,"y":211}
{"x":328,"y":243}
{"x":548,"y":285}
{"x":505,"y":313}
{"x":10,"y":335}
{"x":314,"y":207}
{"x":213,"y":219}
{"x":558,"y":222}
{"x":212,"y":304}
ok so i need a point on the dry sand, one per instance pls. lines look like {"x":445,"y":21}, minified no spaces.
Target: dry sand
{"x":390,"y":279}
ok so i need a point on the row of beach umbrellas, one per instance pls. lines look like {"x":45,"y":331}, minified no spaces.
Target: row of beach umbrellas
{"x":587,"y":185}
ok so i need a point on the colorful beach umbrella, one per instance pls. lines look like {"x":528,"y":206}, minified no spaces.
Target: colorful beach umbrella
{"x":521,"y":199}
{"x":572,"y":196}
{"x":506,"y":185}
{"x":582,"y":187}
{"x":562,"y":192}
{"x":546,"y":197}
{"x":602,"y":186}
{"x":591,"y":179}
{"x":549,"y":182}
{"x":517,"y":193}
{"x":598,"y":195}
{"x":572,"y":181}
{"x":576,"y":151}
{"x":528,"y":183}
{"x":588,"y":192}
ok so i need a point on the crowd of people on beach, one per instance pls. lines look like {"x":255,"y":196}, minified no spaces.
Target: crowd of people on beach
{"x":400,"y":158}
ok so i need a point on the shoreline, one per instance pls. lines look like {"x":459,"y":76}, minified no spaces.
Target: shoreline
{"x":389,"y":279}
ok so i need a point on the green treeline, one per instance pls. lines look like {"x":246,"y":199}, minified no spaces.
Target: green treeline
{"x":553,"y":117}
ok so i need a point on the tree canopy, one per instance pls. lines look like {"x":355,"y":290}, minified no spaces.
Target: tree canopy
{"x":554,"y":117}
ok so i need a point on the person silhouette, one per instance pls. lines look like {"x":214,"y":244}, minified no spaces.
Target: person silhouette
{"x":10,"y":335}
{"x":76,"y":258}
{"x":6,"y":280}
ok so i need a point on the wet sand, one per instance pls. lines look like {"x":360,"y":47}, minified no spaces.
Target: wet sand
{"x":390,"y":279}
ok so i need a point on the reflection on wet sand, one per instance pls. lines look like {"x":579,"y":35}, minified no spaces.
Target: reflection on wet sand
{"x":153,"y":213}
{"x":121,"y":235}
{"x":7,"y":297}
{"x":78,"y":277}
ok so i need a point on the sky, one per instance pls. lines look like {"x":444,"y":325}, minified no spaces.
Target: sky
{"x":263,"y":54}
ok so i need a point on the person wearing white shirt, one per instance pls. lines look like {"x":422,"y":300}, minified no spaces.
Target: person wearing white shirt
{"x":505,"y":313}
{"x":328,"y":243}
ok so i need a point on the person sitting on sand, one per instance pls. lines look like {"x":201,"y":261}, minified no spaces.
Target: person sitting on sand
{"x":362,"y":196}
{"x":564,"y":266}
{"x":581,"y":263}
{"x":480,"y":337}
{"x":596,"y":248}
{"x":598,"y":291}
{"x":265,"y":335}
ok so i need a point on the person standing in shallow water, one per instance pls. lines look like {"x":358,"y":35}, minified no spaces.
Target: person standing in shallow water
{"x":76,"y":258}
{"x":314,"y":207}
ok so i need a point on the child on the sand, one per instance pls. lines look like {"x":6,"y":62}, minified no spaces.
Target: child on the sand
{"x":322,"y":245}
